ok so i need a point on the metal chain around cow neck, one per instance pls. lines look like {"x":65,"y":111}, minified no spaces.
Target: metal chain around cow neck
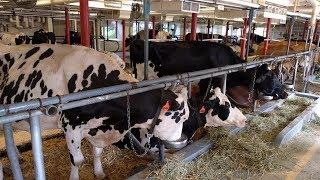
{"x":129,"y":125}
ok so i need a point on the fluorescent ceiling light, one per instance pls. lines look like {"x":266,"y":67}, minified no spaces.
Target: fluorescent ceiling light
{"x":108,"y":5}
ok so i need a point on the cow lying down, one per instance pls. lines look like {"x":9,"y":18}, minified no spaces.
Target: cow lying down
{"x":48,"y":70}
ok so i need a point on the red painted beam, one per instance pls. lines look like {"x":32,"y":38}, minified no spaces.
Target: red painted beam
{"x":305,"y":28}
{"x":67,"y":19}
{"x":244,"y":38}
{"x":194,"y":27}
{"x":266,"y":41}
{"x":84,"y":23}
{"x":227,"y":29}
{"x":153,"y":19}
{"x":184,"y":28}
{"x":124,"y":40}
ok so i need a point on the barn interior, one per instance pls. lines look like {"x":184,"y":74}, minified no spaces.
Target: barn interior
{"x":281,"y":138}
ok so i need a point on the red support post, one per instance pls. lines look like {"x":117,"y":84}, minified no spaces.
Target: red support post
{"x":184,"y":28}
{"x":266,"y":41}
{"x":67,"y":19}
{"x":304,"y":29}
{"x":84,"y":23}
{"x":194,"y":27}
{"x":244,"y":37}
{"x":227,"y":29}
{"x":124,"y":40}
{"x":153,"y":19}
{"x":315,"y":32}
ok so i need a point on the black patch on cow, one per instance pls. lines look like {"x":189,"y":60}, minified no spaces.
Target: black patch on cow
{"x":178,"y":119}
{"x":84,"y":83}
{"x":5,"y":68}
{"x":50,"y":92}
{"x":87,"y":72}
{"x":9,"y":60}
{"x":158,"y":122}
{"x":71,"y":159}
{"x":20,"y":56}
{"x":167,"y":113}
{"x":43,"y":87}
{"x":19,"y":97}
{"x":21,"y":65}
{"x":72,"y":83}
{"x":104,"y":127}
{"x":11,"y":90}
{"x":175,"y":115}
{"x":33,"y":78}
{"x":46,"y":54}
{"x":72,"y":141}
{"x":183,"y":113}
{"x":1,"y":62}
{"x":36,"y":79}
{"x":222,"y":111}
{"x":26,"y":95}
{"x":151,"y":65}
{"x":32,"y":52}
{"x":31,"y":94}
{"x":36,"y":63}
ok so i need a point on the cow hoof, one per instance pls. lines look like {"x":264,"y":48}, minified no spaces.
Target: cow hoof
{"x":101,"y":175}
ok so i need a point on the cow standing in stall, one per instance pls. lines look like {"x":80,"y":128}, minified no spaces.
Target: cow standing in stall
{"x":48,"y":70}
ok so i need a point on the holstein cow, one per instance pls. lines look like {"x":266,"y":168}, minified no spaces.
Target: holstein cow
{"x":169,"y":58}
{"x":202,"y":36}
{"x":162,"y":35}
{"x":48,"y":70}
{"x":216,"y":110}
{"x":41,"y":36}
{"x":14,"y":39}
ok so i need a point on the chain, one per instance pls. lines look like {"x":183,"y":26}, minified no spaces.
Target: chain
{"x":129,"y":126}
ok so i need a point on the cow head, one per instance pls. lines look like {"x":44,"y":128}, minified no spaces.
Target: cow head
{"x":21,"y":39}
{"x":218,"y":111}
{"x":174,"y":112}
{"x":268,"y":84}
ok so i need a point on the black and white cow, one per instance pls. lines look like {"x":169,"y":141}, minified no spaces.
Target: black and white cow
{"x":41,"y":36}
{"x":14,"y":39}
{"x":48,"y":70}
{"x":216,"y":110}
{"x":169,"y":58}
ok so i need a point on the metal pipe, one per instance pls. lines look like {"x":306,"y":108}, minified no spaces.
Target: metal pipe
{"x":266,"y":41}
{"x":189,"y":89}
{"x":124,"y":40}
{"x":208,"y":27}
{"x":304,"y":29}
{"x":146,"y":13}
{"x":253,"y":29}
{"x":12,"y":153}
{"x":244,"y":39}
{"x":67,"y":19}
{"x":227,"y":29}
{"x":116,"y":29}
{"x":161,"y":151}
{"x":251,"y":11}
{"x":315,"y":32}
{"x":194,"y":27}
{"x":84,"y":23}
{"x":107,"y":29}
{"x":153,"y":19}
{"x":34,"y":104}
{"x":35,"y":130}
{"x":224,"y":86}
{"x":292,"y":20}
{"x":184,"y":28}
{"x":295,"y":73}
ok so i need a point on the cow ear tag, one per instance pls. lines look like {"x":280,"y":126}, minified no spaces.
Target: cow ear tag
{"x":202,"y":110}
{"x":166,"y":107}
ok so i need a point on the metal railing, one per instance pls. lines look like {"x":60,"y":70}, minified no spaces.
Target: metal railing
{"x":50,"y":106}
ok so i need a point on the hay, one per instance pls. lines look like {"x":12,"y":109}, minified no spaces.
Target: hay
{"x":242,"y":155}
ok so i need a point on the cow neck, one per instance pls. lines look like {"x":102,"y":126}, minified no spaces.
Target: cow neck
{"x":196,"y":119}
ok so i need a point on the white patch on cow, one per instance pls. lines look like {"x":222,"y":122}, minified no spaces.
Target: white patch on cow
{"x":168,"y":129}
{"x":235,"y":116}
{"x":116,"y":58}
{"x":152,"y":74}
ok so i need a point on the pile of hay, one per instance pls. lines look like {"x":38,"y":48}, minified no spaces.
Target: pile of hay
{"x":242,"y":155}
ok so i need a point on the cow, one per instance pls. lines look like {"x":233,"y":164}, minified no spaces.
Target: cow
{"x":14,"y":39}
{"x":41,"y":36}
{"x":169,"y":58}
{"x":46,"y":70}
{"x":162,"y":35}
{"x":75,"y":39}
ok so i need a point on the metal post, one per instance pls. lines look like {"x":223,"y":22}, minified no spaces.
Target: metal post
{"x":208,"y":27}
{"x":184,"y":28}
{"x":168,"y":23}
{"x":253,"y":29}
{"x":266,"y":41}
{"x":304,"y":29}
{"x":153,"y":19}
{"x":224,"y":87}
{"x":161,"y":151}
{"x":107,"y":29}
{"x":227,"y":29}
{"x":251,"y":11}
{"x":194,"y":27}
{"x":243,"y":40}
{"x":124,"y":40}
{"x":67,"y":19}
{"x":146,"y":13}
{"x":295,"y":73}
{"x":116,"y":29}
{"x":290,"y":34}
{"x":12,"y":153}
{"x":35,"y":130}
{"x":84,"y":23}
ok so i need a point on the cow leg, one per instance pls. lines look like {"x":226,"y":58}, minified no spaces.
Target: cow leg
{"x":73,"y":138}
{"x":98,"y":170}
